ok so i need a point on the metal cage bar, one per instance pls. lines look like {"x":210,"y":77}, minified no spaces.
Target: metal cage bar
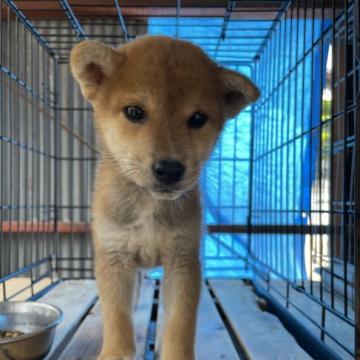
{"x":326,"y":224}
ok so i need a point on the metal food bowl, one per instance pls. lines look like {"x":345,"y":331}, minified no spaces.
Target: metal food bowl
{"x":37,"y":322}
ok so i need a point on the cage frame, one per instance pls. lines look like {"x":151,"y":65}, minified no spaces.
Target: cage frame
{"x":177,"y":11}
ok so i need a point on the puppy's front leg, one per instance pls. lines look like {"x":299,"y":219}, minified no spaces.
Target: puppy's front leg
{"x":115,"y":281}
{"x":181,"y":296}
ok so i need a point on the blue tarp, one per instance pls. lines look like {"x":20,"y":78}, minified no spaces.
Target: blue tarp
{"x":225,"y":180}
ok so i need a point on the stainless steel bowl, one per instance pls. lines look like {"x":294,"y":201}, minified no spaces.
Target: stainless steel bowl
{"x":36,"y":320}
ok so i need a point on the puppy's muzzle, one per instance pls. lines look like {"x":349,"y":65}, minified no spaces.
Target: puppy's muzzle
{"x":168,"y":171}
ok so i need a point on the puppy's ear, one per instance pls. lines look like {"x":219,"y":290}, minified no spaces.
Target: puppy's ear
{"x":238,"y":92}
{"x":91,"y":62}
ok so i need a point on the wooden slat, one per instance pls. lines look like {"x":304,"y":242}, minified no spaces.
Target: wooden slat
{"x":260,"y":333}
{"x":212,"y":338}
{"x":144,"y":3}
{"x":82,"y":228}
{"x":44,"y":227}
{"x":42,"y":9}
{"x":144,"y":9}
{"x":74,"y":298}
{"x":144,"y":13}
{"x":86,"y":343}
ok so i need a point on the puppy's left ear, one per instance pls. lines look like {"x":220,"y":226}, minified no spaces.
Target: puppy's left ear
{"x":238,"y":91}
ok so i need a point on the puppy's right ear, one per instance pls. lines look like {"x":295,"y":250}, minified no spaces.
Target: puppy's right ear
{"x":91,"y":62}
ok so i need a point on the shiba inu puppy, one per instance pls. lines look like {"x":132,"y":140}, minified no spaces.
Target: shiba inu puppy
{"x":160,"y":105}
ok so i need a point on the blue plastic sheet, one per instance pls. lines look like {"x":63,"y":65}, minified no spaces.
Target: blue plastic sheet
{"x":225,"y":179}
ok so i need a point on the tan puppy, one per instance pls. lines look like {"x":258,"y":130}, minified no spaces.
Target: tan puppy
{"x":160,"y":105}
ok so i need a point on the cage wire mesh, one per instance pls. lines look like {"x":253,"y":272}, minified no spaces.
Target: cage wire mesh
{"x":281,"y":201}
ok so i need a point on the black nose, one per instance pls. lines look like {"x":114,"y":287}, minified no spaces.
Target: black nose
{"x":168,"y":171}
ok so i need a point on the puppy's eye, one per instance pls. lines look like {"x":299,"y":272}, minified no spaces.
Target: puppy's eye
{"x":134,"y":113}
{"x":197,"y":120}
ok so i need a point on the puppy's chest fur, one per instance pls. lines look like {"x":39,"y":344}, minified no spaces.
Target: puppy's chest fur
{"x":141,"y":239}
{"x":145,"y":230}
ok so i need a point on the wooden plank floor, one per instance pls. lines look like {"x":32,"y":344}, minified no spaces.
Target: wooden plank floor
{"x":231,"y":326}
{"x":261,"y":334}
{"x":212,"y":338}
{"x":86,"y":343}
{"x":75,"y":298}
{"x":341,"y":330}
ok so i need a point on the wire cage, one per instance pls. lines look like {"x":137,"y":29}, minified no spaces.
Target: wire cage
{"x":281,"y":194}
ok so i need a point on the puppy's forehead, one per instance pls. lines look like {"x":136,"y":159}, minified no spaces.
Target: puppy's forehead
{"x":167,"y":52}
{"x":167,"y":63}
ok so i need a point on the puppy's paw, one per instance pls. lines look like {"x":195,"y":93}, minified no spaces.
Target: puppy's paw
{"x":105,"y":357}
{"x":176,"y":356}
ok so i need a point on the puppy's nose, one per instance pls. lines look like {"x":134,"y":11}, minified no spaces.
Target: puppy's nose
{"x":168,"y":171}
